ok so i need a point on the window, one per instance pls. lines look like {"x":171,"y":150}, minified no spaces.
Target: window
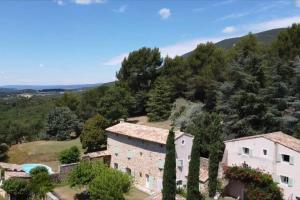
{"x":285,"y":158}
{"x":297,"y":198}
{"x":141,"y":153}
{"x":179,"y":182}
{"x":116,"y":166}
{"x":141,"y":175}
{"x":265,"y":152}
{"x":189,"y":157}
{"x":182,"y":142}
{"x":128,"y":171}
{"x":246,"y":151}
{"x":284,"y":179}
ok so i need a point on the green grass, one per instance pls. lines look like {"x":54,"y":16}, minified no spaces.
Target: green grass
{"x":45,"y":152}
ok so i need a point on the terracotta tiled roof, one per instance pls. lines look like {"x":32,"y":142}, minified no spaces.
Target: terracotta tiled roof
{"x":97,"y":154}
{"x":12,"y":174}
{"x":10,"y":167}
{"x":143,"y":132}
{"x":278,"y":137}
{"x":203,"y":173}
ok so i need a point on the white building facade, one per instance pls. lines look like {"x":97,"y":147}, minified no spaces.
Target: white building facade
{"x":275,"y":153}
{"x":140,"y":151}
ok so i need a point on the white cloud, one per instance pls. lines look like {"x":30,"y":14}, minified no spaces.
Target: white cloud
{"x":233,"y":16}
{"x":297,"y":3}
{"x":59,"y":2}
{"x":164,"y":13}
{"x":87,"y":2}
{"x":229,"y":29}
{"x":115,"y":60}
{"x":181,"y":48}
{"x":177,"y":49}
{"x":271,"y":24}
{"x":42,"y":65}
{"x":121,"y":9}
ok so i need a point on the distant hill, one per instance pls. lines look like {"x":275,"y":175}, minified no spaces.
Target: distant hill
{"x":48,"y":87}
{"x":265,"y":37}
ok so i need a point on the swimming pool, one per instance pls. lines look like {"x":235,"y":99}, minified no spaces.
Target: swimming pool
{"x":28,"y":167}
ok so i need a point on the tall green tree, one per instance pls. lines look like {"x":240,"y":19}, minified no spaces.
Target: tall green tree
{"x":139,"y":69}
{"x":169,"y":176}
{"x":193,"y":192}
{"x":214,"y":158}
{"x":62,"y":123}
{"x":70,"y":100}
{"x":93,"y":135}
{"x":116,"y":103}
{"x":88,"y":102}
{"x":159,"y":103}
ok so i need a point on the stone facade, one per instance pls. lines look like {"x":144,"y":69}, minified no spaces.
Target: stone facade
{"x":143,"y":160}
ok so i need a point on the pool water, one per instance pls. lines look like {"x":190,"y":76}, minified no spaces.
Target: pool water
{"x":28,"y":167}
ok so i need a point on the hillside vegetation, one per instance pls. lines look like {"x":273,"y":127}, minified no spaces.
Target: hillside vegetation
{"x":254,"y":87}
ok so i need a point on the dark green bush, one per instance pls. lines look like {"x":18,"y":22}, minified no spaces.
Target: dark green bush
{"x":71,"y":155}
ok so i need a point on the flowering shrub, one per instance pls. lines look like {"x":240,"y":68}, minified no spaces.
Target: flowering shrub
{"x":259,"y":185}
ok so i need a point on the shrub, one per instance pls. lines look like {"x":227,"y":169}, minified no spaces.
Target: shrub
{"x":259,"y":185}
{"x":37,"y":170}
{"x":71,"y":155}
{"x":40,"y":182}
{"x":93,"y":135}
{"x":17,"y":189}
{"x":103,"y":182}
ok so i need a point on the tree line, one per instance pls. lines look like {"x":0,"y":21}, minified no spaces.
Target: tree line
{"x":253,"y":87}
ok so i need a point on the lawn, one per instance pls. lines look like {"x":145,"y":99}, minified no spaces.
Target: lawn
{"x":67,"y":193}
{"x":45,"y":152}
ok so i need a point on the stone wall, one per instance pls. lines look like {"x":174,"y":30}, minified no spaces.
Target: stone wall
{"x":51,"y":196}
{"x":143,"y":162}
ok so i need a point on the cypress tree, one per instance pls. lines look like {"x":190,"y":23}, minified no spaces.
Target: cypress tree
{"x":214,"y":156}
{"x":169,"y":177}
{"x":193,"y":192}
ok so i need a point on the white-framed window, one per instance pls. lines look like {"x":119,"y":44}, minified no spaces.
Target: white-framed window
{"x":246,"y":151}
{"x":265,"y":152}
{"x":284,"y":180}
{"x":189,"y":157}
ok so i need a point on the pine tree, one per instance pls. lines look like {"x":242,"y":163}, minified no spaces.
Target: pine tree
{"x":169,"y":176}
{"x":193,"y":192}
{"x":159,"y":103}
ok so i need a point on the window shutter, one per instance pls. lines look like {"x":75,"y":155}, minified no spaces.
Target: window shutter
{"x":291,"y":182}
{"x":240,"y":151}
{"x":291,"y":160}
{"x":116,"y":150}
{"x":250,"y":152}
{"x":276,"y":178}
{"x":278,"y":159}
{"x":130,"y":154}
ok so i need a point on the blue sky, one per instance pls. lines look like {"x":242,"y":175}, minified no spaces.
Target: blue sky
{"x":84,"y":41}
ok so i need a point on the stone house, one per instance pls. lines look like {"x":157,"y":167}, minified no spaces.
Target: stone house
{"x":140,"y":151}
{"x":275,"y":153}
